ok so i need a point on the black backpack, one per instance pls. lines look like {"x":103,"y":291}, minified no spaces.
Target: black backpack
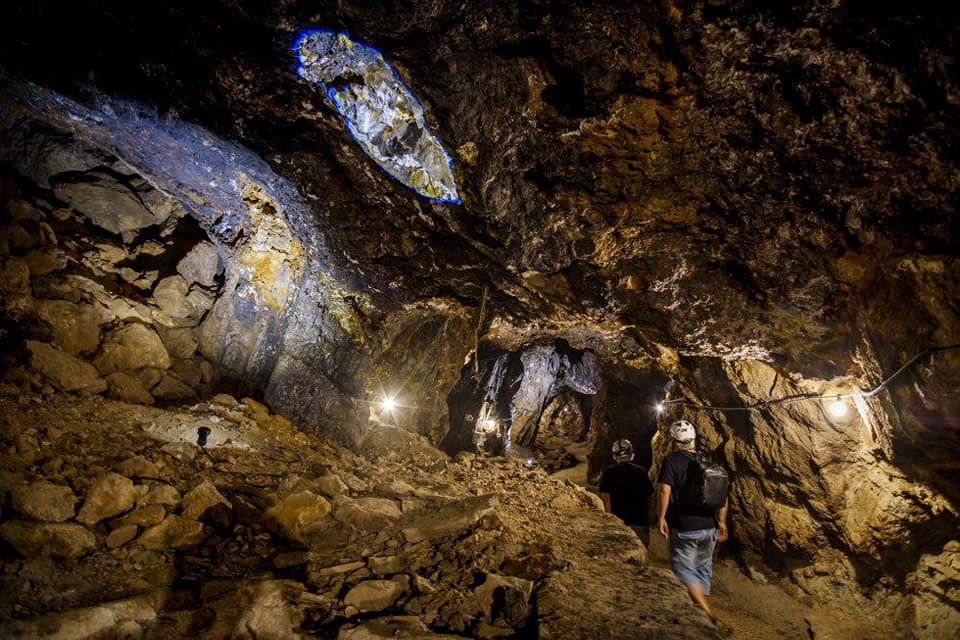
{"x":707,"y":483}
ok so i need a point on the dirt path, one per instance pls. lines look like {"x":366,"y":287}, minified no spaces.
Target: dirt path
{"x":755,"y":611}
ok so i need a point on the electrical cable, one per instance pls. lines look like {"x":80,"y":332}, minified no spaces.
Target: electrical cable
{"x":760,"y":404}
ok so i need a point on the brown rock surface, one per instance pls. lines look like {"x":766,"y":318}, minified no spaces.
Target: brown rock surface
{"x":64,"y":371}
{"x":109,"y":495}
{"x":161,"y":494}
{"x":132,"y":347}
{"x":200,"y":499}
{"x":369,"y":514}
{"x":44,"y":501}
{"x":175,"y":532}
{"x":450,"y":520}
{"x":122,"y":535}
{"x":201,"y":265}
{"x":172,"y":389}
{"x":106,"y":201}
{"x":373,"y":595}
{"x":298,"y":514}
{"x":170,"y":295}
{"x":62,"y":539}
{"x":123,"y":386}
{"x":145,"y":516}
{"x":76,"y":328}
{"x":523,"y":538}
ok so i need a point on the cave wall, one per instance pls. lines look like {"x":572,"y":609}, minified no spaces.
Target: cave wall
{"x":227,"y":276}
{"x":104,"y":281}
{"x":759,"y":199}
{"x":824,"y":500}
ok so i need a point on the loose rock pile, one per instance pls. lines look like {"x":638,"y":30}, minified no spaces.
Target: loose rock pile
{"x":114,"y":521}
{"x":106,"y":282}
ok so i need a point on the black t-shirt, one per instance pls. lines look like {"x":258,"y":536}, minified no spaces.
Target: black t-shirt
{"x":629,"y":487}
{"x":680,"y":516}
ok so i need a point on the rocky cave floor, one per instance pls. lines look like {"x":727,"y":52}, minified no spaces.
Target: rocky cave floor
{"x":115,"y":524}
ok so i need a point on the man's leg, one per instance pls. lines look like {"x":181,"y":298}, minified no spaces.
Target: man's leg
{"x":687,"y":550}
{"x":684,"y":553}
{"x":706,"y":543}
{"x":705,"y":559}
{"x":697,"y":595}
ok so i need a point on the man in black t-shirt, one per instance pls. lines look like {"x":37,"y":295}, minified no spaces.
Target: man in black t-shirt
{"x":693,"y":530}
{"x":625,"y":490}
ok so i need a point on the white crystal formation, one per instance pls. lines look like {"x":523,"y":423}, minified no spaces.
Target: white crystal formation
{"x":381,"y":114}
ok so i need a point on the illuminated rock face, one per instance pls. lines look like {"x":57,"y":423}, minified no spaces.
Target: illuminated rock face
{"x":380,"y":112}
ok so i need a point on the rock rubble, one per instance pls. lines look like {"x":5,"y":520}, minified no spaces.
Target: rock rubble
{"x":284,"y":534}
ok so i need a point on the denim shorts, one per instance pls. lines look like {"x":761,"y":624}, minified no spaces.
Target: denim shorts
{"x":691,"y":555}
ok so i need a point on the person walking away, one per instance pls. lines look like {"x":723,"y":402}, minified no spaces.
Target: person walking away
{"x":692,"y":512}
{"x":625,"y":489}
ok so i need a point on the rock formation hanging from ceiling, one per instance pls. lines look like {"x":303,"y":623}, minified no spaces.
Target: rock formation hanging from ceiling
{"x":752,"y":201}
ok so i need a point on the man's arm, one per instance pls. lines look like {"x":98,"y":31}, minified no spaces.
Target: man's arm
{"x":663,"y":495}
{"x":722,"y":533}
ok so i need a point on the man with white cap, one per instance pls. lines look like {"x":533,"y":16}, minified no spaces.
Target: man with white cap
{"x":692,"y":510}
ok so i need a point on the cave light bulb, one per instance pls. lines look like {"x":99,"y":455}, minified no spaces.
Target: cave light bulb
{"x":659,"y":407}
{"x":389,"y":404}
{"x":838,"y":408}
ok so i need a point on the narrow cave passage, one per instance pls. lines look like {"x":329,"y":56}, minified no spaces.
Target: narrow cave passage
{"x":323,"y":319}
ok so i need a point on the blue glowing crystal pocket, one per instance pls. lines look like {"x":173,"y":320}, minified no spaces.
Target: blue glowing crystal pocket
{"x":381,"y":114}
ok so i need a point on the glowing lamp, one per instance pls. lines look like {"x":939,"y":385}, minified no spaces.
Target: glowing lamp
{"x":659,"y":407}
{"x":838,"y":408}
{"x":389,"y":404}
{"x":488,"y":425}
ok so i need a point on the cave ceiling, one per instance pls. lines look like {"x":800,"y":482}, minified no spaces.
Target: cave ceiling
{"x":720,"y":179}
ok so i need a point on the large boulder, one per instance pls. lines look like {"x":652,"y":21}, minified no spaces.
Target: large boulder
{"x":170,"y":295}
{"x":106,"y":202}
{"x":269,"y":611}
{"x":76,"y":327}
{"x":60,"y":539}
{"x":128,"y":388}
{"x":201,"y":499}
{"x":121,"y":535}
{"x":298,"y":514}
{"x":131,"y":347}
{"x":936,"y":600}
{"x":15,"y":276}
{"x":452,"y":519}
{"x":367,"y":514}
{"x":161,"y":493}
{"x":45,"y":501}
{"x":373,"y":595}
{"x":119,"y":619}
{"x":391,"y":627}
{"x":171,"y":389}
{"x":64,"y":371}
{"x":179,"y":341}
{"x":110,"y":495}
{"x":145,"y":516}
{"x":201,"y":265}
{"x":175,"y":532}
{"x":504,"y":600}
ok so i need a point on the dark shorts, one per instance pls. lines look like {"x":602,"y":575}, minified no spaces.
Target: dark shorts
{"x":691,"y":555}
